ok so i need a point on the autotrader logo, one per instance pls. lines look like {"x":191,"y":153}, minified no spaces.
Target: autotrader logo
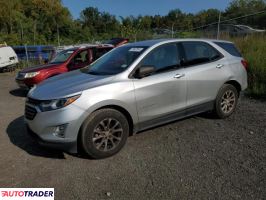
{"x":27,"y":193}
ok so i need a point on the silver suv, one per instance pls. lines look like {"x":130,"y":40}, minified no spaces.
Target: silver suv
{"x":132,"y":88}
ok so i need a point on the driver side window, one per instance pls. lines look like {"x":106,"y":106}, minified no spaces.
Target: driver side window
{"x":163,"y":58}
{"x":81,"y":57}
{"x":80,"y":60}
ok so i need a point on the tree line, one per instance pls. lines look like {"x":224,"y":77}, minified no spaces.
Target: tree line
{"x":49,"y":22}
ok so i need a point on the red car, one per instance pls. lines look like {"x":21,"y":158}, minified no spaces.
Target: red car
{"x":65,"y":61}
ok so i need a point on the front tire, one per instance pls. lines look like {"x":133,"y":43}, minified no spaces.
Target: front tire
{"x":104,"y":133}
{"x":226,"y":101}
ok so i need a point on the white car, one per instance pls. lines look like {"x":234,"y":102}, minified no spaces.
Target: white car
{"x":8,"y":58}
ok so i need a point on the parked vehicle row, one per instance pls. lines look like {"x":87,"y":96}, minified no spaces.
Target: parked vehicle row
{"x":134,"y":87}
{"x":66,"y":60}
{"x":231,"y":29}
{"x":37,"y":52}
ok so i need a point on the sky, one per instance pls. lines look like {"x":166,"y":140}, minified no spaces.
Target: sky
{"x":143,"y":7}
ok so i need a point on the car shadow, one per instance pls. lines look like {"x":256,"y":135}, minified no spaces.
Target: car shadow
{"x":17,"y":134}
{"x":19,"y":92}
{"x":207,"y":115}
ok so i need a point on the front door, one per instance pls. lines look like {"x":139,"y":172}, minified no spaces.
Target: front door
{"x":80,"y":60}
{"x":163,"y":93}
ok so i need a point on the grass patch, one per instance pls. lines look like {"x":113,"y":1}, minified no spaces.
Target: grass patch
{"x":253,"y":49}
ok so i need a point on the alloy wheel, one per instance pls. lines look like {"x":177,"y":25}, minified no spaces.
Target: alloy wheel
{"x":228,"y":101}
{"x":107,"y":134}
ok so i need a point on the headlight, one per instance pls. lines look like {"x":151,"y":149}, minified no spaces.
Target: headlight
{"x":58,"y":103}
{"x":31,"y":74}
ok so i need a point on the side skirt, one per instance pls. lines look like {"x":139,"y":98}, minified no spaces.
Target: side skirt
{"x":176,"y":116}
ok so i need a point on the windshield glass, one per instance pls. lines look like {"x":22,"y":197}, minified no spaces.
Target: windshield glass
{"x":62,"y":56}
{"x":116,"y":61}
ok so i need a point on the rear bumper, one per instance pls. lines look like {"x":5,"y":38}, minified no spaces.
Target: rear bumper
{"x":64,"y":146}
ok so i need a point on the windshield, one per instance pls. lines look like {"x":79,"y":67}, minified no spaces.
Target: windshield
{"x":116,"y":61}
{"x":62,"y":56}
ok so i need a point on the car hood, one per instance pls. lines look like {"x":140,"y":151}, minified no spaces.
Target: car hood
{"x":38,"y":68}
{"x":67,"y":84}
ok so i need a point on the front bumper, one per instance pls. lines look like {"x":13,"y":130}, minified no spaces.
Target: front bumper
{"x":22,"y":84}
{"x":43,"y":126}
{"x":64,"y":146}
{"x":27,"y":82}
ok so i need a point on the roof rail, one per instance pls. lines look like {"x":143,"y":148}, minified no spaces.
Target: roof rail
{"x":81,"y":46}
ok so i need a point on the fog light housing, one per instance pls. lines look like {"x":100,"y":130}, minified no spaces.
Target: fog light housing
{"x":59,"y":131}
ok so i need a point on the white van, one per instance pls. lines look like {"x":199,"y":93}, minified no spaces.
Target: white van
{"x":8,"y":57}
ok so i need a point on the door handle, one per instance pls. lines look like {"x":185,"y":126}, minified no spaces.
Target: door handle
{"x":219,"y":66}
{"x":179,"y":75}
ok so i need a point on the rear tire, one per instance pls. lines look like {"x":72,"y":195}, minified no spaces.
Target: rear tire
{"x":104,"y":133}
{"x":226,"y":101}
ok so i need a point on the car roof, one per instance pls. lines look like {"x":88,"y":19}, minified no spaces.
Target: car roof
{"x":149,"y":43}
{"x":71,"y":49}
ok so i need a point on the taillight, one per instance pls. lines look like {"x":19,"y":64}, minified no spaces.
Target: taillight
{"x":245,"y":64}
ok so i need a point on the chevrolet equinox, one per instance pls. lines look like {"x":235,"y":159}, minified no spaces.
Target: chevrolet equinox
{"x":132,"y":88}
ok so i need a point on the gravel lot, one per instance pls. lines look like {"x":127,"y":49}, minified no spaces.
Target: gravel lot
{"x":194,"y":158}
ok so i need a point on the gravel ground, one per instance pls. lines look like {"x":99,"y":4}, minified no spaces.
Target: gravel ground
{"x":194,"y":158}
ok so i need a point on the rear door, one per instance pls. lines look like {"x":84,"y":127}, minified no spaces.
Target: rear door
{"x":7,"y":56}
{"x":206,"y":71}
{"x":163,"y":93}
{"x":12,"y":56}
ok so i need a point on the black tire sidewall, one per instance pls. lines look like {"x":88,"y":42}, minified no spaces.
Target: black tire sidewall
{"x":92,"y":121}
{"x":221,"y":92}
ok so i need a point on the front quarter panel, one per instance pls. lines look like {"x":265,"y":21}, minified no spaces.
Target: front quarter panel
{"x":114,"y":94}
{"x":54,"y":71}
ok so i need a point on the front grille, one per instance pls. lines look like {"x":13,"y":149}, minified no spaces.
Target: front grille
{"x":20,"y":76}
{"x":30,"y":112}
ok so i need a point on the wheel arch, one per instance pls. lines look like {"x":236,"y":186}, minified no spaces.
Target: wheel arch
{"x":124,"y":111}
{"x":119,"y":108}
{"x":236,"y":84}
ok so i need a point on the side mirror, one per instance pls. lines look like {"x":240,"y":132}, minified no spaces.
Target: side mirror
{"x":144,"y":71}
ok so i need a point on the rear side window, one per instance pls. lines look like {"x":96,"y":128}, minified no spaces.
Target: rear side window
{"x":230,"y":48}
{"x":199,"y":53}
